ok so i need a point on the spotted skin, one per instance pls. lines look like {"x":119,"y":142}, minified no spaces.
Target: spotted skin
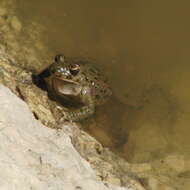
{"x":80,"y":82}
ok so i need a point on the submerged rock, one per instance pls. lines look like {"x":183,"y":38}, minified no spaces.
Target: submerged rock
{"x":16,"y":24}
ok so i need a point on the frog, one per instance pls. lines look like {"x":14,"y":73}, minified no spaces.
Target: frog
{"x":77,"y":84}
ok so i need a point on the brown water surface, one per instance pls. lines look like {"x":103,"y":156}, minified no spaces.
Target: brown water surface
{"x":144,"y":47}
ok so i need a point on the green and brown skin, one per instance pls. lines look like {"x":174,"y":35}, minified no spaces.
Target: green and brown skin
{"x":80,"y":83}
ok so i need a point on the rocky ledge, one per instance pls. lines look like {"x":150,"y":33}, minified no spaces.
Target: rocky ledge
{"x":36,"y":157}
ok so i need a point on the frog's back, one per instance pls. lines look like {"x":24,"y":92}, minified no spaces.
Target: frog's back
{"x":99,"y":84}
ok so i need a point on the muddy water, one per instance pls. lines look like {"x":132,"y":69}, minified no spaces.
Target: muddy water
{"x":144,"y":47}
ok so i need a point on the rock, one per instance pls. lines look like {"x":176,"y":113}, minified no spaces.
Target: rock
{"x":16,"y":24}
{"x":115,"y":181}
{"x":100,"y":159}
{"x":3,"y":11}
{"x":140,"y":168}
{"x":36,"y":157}
{"x":176,"y":162}
{"x":154,"y":184}
{"x":2,"y":21}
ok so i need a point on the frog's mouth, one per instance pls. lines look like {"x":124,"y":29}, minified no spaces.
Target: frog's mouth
{"x":66,"y":86}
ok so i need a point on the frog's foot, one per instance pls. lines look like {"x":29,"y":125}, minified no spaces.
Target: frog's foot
{"x":24,"y":77}
{"x":56,"y":110}
{"x":79,"y":114}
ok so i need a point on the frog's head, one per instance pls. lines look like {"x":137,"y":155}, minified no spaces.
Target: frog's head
{"x":65,"y":76}
{"x":64,"y":70}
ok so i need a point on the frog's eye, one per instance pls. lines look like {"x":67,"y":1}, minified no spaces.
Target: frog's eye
{"x":74,"y":69}
{"x":59,"y":58}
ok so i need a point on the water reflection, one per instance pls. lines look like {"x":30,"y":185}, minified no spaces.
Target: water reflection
{"x":144,"y":47}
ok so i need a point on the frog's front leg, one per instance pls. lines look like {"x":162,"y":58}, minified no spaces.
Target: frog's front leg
{"x":85,"y":111}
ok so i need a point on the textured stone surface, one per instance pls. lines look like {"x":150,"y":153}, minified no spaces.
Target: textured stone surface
{"x":37,"y":157}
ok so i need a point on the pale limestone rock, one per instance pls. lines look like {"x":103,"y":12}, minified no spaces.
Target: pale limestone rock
{"x":114,"y":181}
{"x":36,"y":157}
